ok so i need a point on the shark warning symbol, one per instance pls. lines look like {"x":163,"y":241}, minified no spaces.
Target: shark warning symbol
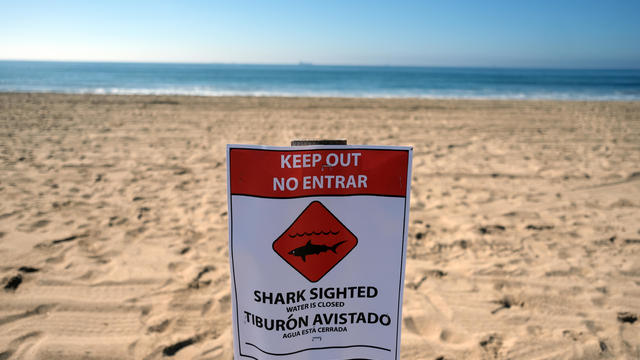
{"x":315,"y":242}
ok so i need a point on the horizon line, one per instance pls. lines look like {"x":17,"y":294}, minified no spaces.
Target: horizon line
{"x":313,"y":64}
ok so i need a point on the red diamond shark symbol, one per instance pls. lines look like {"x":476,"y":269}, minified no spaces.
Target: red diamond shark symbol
{"x":315,"y":242}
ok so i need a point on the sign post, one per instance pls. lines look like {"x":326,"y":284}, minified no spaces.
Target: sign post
{"x":317,"y":243}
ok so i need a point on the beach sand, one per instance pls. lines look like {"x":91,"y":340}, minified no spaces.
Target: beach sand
{"x":524,"y":237}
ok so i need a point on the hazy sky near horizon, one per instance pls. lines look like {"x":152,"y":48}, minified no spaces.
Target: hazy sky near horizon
{"x":543,"y":33}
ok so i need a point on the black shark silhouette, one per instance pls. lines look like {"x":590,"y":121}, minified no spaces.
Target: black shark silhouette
{"x":311,"y":249}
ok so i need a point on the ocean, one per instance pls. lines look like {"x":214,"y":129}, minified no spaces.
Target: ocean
{"x":318,"y":80}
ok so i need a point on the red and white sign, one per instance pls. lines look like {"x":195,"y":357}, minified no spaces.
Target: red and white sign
{"x":317,"y":242}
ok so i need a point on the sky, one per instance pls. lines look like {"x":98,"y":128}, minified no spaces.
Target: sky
{"x":500,"y":33}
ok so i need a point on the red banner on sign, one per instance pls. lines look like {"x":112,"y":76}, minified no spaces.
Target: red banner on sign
{"x":295,"y":173}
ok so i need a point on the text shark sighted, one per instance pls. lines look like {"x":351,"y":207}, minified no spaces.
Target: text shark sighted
{"x":316,"y":293}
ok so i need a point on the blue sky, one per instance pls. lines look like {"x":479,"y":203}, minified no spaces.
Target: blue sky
{"x":516,"y":33}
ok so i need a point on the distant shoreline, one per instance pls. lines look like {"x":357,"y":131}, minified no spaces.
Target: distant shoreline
{"x":311,"y":97}
{"x":312,"y":64}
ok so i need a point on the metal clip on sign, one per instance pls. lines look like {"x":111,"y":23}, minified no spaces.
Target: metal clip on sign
{"x":305,"y":142}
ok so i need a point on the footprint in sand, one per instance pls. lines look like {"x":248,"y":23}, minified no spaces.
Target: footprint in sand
{"x":491,"y":344}
{"x":160,"y":327}
{"x":20,"y":345}
{"x":39,"y":224}
{"x":33,"y":226}
{"x":411,"y":326}
{"x":225,"y":299}
{"x":452,"y":337}
{"x":13,"y":283}
{"x":627,"y":317}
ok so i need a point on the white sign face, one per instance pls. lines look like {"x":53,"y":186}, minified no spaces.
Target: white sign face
{"x":317,"y":242}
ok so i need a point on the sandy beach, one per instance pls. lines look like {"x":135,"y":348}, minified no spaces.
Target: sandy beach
{"x":524,"y":237}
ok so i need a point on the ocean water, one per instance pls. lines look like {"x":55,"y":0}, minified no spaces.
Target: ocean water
{"x":313,"y":80}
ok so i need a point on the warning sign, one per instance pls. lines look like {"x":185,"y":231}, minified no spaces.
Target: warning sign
{"x":317,"y":240}
{"x":315,"y":232}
